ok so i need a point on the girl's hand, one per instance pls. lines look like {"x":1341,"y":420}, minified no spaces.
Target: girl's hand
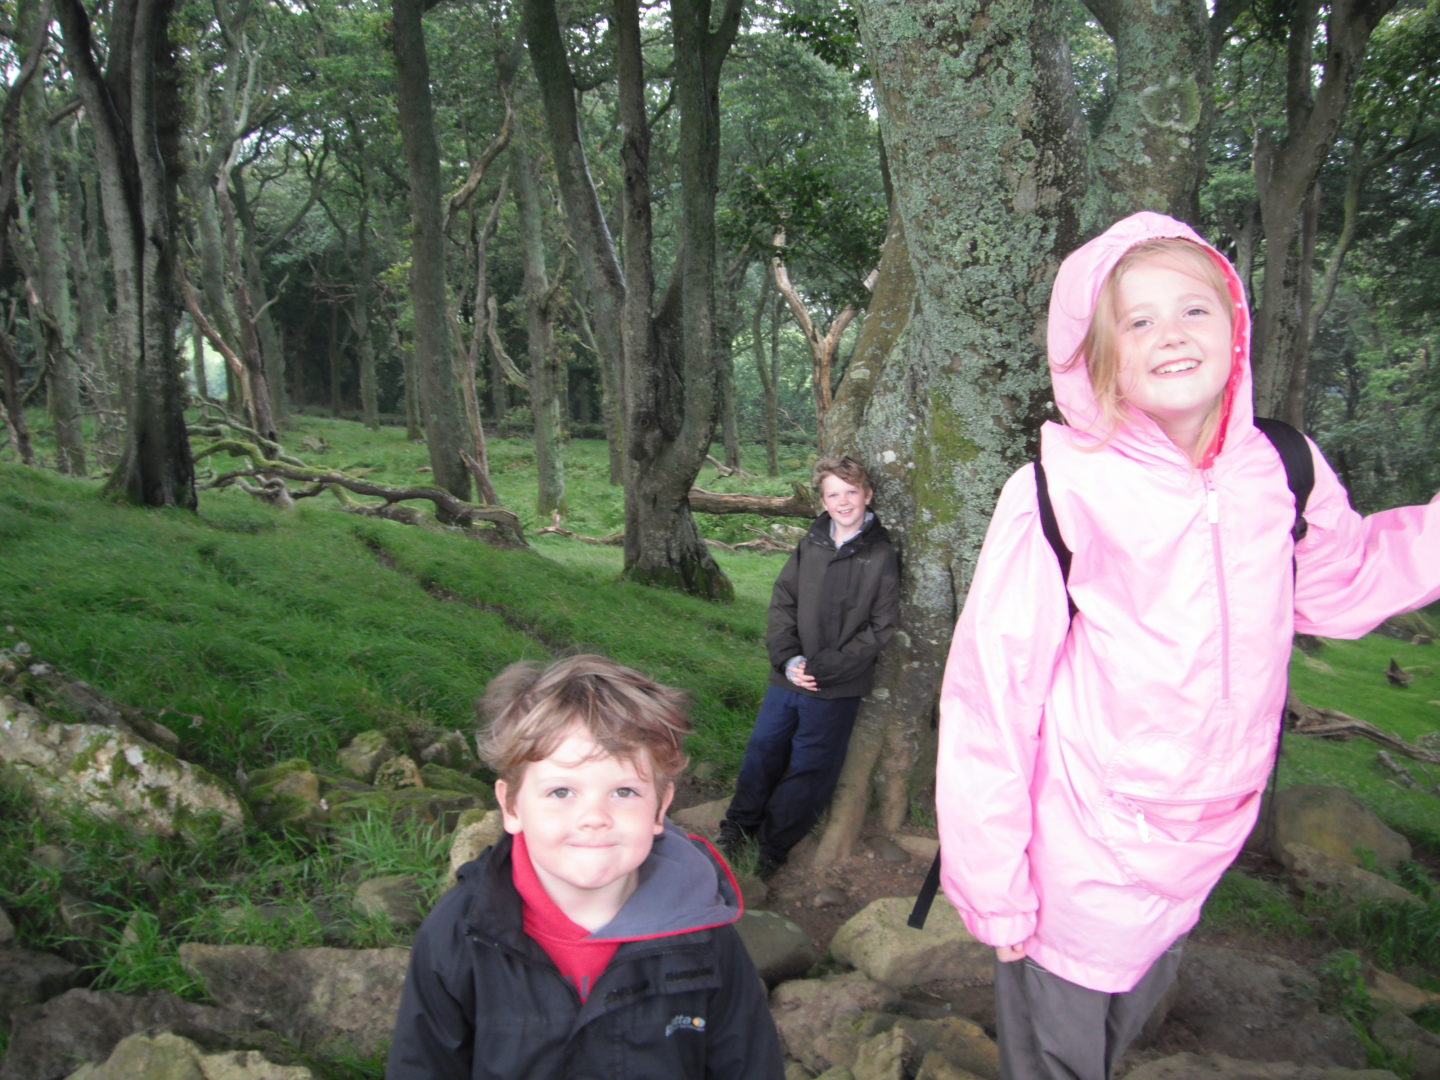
{"x":1008,"y":954}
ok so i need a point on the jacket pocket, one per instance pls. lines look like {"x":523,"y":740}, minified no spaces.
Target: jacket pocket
{"x":1174,"y":818}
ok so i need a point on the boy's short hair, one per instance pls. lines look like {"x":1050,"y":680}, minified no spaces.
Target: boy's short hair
{"x":529,"y":708}
{"x":843,"y":468}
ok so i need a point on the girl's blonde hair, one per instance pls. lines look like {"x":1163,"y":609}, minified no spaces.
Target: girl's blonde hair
{"x":530,"y":708}
{"x":1099,"y":350}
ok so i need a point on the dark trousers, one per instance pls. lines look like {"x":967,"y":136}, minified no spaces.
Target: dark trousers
{"x":791,"y":765}
{"x":1052,"y":1029}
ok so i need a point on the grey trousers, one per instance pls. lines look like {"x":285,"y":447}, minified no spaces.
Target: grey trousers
{"x":1052,"y":1029}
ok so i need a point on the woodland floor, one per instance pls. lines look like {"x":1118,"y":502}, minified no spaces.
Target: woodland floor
{"x":821,"y":901}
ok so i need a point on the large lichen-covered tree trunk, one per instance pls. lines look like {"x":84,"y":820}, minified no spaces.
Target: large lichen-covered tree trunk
{"x":995,"y":180}
{"x":974,"y":109}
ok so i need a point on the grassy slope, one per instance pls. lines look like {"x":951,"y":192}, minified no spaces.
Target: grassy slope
{"x":262,"y":635}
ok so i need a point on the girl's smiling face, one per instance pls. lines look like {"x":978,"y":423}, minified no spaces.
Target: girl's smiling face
{"x":1173,"y":337}
{"x":589,"y":821}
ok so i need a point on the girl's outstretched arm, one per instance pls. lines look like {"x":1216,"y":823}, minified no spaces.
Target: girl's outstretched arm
{"x":1002,"y":657}
{"x":1353,"y":572}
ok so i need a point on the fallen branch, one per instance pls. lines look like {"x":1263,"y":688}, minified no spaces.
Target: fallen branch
{"x":555,"y":530}
{"x":450,"y":509}
{"x":1331,"y":723}
{"x":797,"y":504}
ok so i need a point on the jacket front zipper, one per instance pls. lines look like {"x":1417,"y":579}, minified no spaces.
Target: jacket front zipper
{"x":1212,"y":514}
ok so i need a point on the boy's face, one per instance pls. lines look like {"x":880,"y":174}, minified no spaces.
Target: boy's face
{"x":589,"y":821}
{"x":844,"y":502}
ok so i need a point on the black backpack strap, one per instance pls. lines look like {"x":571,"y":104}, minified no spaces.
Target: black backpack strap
{"x":1294,"y":451}
{"x":1051,"y":529}
{"x":926,"y":896}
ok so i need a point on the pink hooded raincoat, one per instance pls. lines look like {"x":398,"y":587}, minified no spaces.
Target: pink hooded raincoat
{"x":1096,"y":777}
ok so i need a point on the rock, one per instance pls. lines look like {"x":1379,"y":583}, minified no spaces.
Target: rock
{"x":1220,"y":1067}
{"x":882,"y":1056}
{"x":441,"y":808}
{"x":923,"y":848}
{"x":448,"y":779}
{"x":287,"y":795}
{"x":704,"y":819}
{"x":53,"y":859}
{"x":27,"y":978}
{"x":82,"y":919}
{"x":474,"y":833}
{"x":397,"y":897}
{"x":329,"y":1001}
{"x":7,"y":929}
{"x":954,"y":1044}
{"x":113,"y":774}
{"x":49,"y":1039}
{"x":777,"y":946}
{"x":887,"y":850}
{"x":755,"y":891}
{"x":1261,"y":1008}
{"x":828,"y":897}
{"x":397,"y":773}
{"x":1407,"y":1041}
{"x":365,"y":753}
{"x":169,"y":1057}
{"x":1325,"y":874}
{"x":877,"y":941}
{"x":452,"y":751}
{"x":1387,"y":989}
{"x":1314,"y":663}
{"x":1333,"y":821}
{"x":817,"y":1017}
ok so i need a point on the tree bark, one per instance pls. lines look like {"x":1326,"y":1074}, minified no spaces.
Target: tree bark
{"x":765,"y":368}
{"x":668,"y":345}
{"x":544,"y":379}
{"x":439,"y":387}
{"x":56,"y":314}
{"x":135,"y":116}
{"x":976,"y":109}
{"x":1286,"y":170}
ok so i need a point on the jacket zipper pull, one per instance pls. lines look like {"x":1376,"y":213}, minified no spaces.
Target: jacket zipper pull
{"x":1212,"y":502}
{"x":1142,"y":825}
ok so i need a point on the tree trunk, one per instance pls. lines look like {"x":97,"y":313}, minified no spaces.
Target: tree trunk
{"x":135,"y":116}
{"x":439,"y":388}
{"x":975,"y":105}
{"x":1286,"y":171}
{"x":1150,"y":151}
{"x":668,"y":348}
{"x":764,"y":367}
{"x":540,"y":337}
{"x":52,"y":288}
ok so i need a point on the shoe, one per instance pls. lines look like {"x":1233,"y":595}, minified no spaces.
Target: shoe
{"x":731,"y":840}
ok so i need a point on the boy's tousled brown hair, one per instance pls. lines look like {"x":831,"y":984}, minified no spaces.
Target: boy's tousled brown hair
{"x":844,"y":468}
{"x":529,"y":708}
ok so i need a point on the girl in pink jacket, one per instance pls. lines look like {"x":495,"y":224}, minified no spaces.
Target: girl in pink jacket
{"x":1097,"y":774}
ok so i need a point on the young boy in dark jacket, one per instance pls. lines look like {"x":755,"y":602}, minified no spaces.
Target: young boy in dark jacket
{"x":832,"y":609}
{"x":595,"y":940}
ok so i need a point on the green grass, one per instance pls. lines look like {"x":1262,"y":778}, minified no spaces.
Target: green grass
{"x":259,"y":636}
{"x":1355,"y":684}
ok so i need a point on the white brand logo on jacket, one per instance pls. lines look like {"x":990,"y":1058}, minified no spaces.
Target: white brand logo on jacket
{"x":684,"y":1023}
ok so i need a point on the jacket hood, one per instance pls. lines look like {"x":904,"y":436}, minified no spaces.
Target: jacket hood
{"x":1072,"y":304}
{"x":684,"y":885}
